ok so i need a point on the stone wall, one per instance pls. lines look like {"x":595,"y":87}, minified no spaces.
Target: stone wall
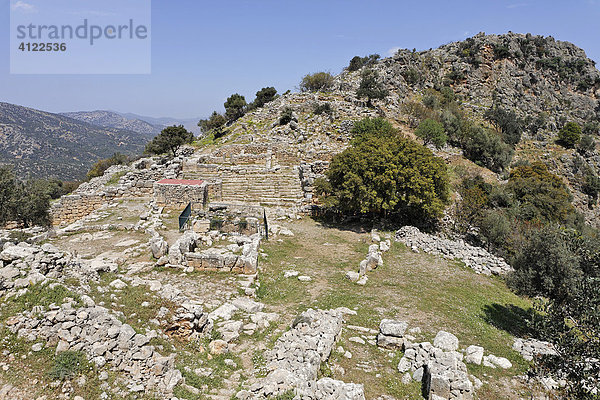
{"x":179,"y":195}
{"x":70,"y":208}
{"x":137,"y":180}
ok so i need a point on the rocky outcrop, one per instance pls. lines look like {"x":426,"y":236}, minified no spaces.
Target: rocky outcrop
{"x":530,"y":348}
{"x":480,"y":260}
{"x":98,"y":333}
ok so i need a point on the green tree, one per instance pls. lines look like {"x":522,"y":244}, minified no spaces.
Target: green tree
{"x":7,"y":194}
{"x":587,"y":145}
{"x":287,"y":115}
{"x":358,"y":62}
{"x":170,"y":139}
{"x":574,"y":328}
{"x":570,"y":134}
{"x":317,"y":82}
{"x":214,"y":122}
{"x":235,"y":107}
{"x":540,"y":194}
{"x":370,"y":87}
{"x":27,"y":203}
{"x":33,"y":203}
{"x":507,"y":122}
{"x":485,"y":148}
{"x":546,"y":266}
{"x":432,"y":132}
{"x":372,"y":127}
{"x":264,"y":96}
{"x":382,"y":175}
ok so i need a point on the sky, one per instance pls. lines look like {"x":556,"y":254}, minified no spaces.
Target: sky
{"x":203,"y":51}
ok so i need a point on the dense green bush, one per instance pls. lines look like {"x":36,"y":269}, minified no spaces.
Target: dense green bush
{"x":370,"y":87}
{"x":287,"y":114}
{"x":587,"y":145}
{"x":317,"y":82}
{"x":591,"y":186}
{"x":24,"y":202}
{"x":324,"y":108}
{"x":539,"y":194}
{"x":432,"y":132}
{"x":169,"y":139}
{"x":358,"y":62}
{"x":382,"y":175}
{"x":546,"y":266}
{"x":235,"y":107}
{"x":102,"y":165}
{"x":485,"y":148}
{"x":570,"y":134}
{"x":213,"y":123}
{"x":372,"y":127}
{"x":574,"y":328}
{"x":506,"y":122}
{"x":591,"y":128}
{"x":264,"y":96}
{"x":411,"y":76}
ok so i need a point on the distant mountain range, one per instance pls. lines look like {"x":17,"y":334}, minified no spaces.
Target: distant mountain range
{"x":45,"y":145}
{"x":191,"y":124}
{"x":110,"y":119}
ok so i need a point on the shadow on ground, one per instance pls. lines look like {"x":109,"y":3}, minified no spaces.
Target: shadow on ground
{"x":509,"y":318}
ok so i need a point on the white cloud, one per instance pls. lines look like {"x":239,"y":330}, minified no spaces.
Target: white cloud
{"x":22,"y":6}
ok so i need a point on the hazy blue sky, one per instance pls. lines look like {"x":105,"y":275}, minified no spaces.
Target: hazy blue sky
{"x":203,"y":51}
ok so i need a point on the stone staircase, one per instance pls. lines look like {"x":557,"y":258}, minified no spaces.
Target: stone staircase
{"x":253,"y":184}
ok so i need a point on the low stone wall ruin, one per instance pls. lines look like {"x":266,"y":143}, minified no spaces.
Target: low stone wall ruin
{"x":137,"y":181}
{"x":179,"y":195}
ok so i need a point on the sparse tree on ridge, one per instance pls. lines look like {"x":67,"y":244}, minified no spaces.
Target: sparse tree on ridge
{"x":170,"y":139}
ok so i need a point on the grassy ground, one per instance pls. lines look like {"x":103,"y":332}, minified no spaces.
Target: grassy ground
{"x":428,"y":292}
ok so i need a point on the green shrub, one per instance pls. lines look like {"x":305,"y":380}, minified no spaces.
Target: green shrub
{"x":573,"y":328}
{"x":591,"y":128}
{"x":370,"y":87}
{"x":324,"y":108}
{"x":432,"y":132}
{"x":235,"y":107}
{"x":213,"y":123}
{"x":358,"y":62}
{"x":69,"y":364}
{"x":382,"y":175}
{"x":411,"y":76}
{"x":540,"y":194}
{"x":287,"y":114}
{"x":101,"y":166}
{"x":264,"y":96}
{"x":586,"y":145}
{"x":501,"y":51}
{"x":570,"y":134}
{"x":546,"y":266}
{"x":317,"y":82}
{"x":170,"y":139}
{"x":486,"y":149}
{"x":372,"y":127}
{"x":591,"y":186}
{"x":507,"y":122}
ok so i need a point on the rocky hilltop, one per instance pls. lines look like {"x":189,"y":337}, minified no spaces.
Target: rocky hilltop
{"x":247,"y":299}
{"x":110,"y":119}
{"x":544,"y":81}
